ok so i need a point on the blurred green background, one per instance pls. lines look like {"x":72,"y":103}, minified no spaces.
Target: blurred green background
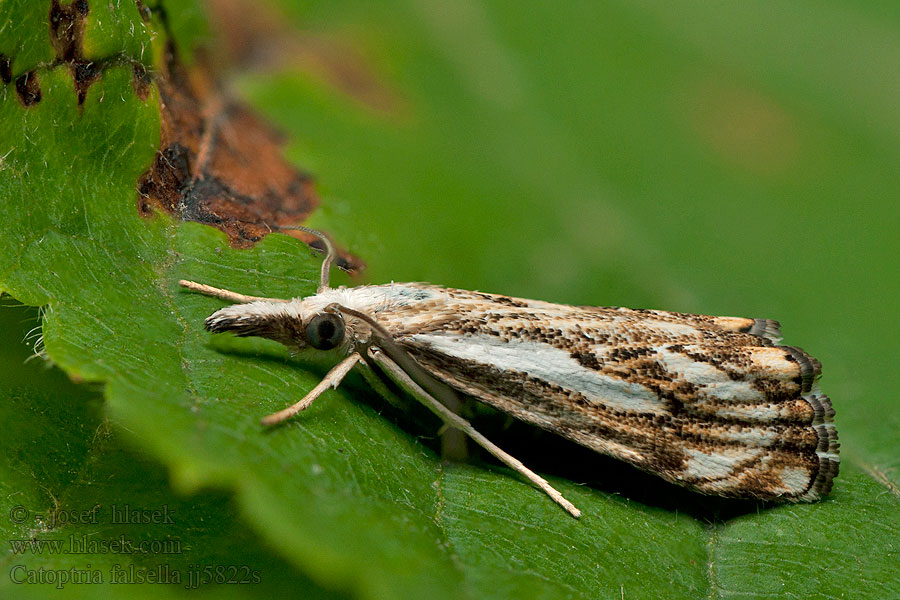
{"x":736,"y":158}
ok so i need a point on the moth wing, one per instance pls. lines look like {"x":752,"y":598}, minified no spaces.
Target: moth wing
{"x":706,"y":402}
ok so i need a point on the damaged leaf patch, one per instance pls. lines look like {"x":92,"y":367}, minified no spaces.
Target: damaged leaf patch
{"x":67,"y":28}
{"x":217,"y":162}
{"x":28,"y":88}
{"x":220,"y":164}
{"x":67,"y":25}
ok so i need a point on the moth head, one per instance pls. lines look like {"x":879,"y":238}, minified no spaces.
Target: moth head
{"x":297,"y":324}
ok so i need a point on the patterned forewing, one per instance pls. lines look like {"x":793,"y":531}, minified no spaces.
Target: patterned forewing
{"x":711,"y":403}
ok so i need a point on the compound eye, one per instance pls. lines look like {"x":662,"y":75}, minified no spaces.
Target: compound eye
{"x":325,"y":331}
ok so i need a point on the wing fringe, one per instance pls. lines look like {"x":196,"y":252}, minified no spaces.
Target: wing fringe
{"x":828,"y":447}
{"x":766,"y":328}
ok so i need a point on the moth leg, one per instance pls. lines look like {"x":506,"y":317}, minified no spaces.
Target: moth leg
{"x":372,"y":378}
{"x":453,"y":441}
{"x":406,"y":382}
{"x":224,"y":294}
{"x":331,"y":380}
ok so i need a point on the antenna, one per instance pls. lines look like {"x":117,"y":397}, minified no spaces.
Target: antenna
{"x":329,"y":248}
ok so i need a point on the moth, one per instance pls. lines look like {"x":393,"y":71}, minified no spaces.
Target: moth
{"x":714,"y":404}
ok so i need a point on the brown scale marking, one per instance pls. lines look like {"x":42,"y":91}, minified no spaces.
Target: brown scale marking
{"x":601,"y":339}
{"x":590,"y":411}
{"x":776,"y":390}
{"x":698,"y":435}
{"x":636,"y":427}
{"x":798,"y":437}
{"x":415,"y":307}
{"x":736,"y":339}
{"x":640,"y":337}
{"x":648,"y":369}
{"x":459,"y":294}
{"x":779,"y":459}
{"x":655,"y":377}
{"x":753,"y":480}
{"x":706,"y":324}
{"x":403,"y":329}
{"x":761,"y":483}
{"x":588,"y":314}
{"x":708,"y":413}
{"x":405,"y":308}
{"x":624,"y":354}
{"x":503,"y":300}
{"x":715,"y":360}
{"x":701,"y":321}
{"x":652,"y":375}
{"x":538,"y":391}
{"x":799,"y":409}
{"x":523,"y":316}
{"x":791,"y":438}
{"x":707,"y":321}
{"x":529,"y":391}
{"x":654,"y":454}
{"x":595,"y":315}
{"x":710,"y":484}
{"x":587,"y":360}
{"x":740,"y":366}
{"x":686,"y":389}
{"x":672,"y":401}
{"x":667,"y":458}
{"x":533,"y":406}
{"x":554,"y":337}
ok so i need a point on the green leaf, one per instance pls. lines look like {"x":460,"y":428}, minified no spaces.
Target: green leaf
{"x":83,"y":506}
{"x":731,"y":161}
{"x":23,"y":19}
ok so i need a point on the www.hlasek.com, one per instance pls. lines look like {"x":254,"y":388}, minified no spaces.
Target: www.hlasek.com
{"x":88,"y":544}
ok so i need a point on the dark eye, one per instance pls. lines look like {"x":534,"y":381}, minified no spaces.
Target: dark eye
{"x":325,"y":331}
